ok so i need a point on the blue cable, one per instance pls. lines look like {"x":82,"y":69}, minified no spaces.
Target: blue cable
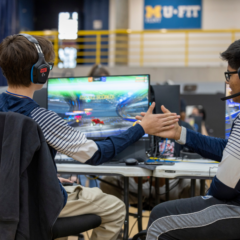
{"x":165,"y":146}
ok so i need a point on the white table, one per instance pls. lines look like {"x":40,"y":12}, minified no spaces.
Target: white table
{"x":125,"y":171}
{"x":197,"y":168}
{"x":194,"y":169}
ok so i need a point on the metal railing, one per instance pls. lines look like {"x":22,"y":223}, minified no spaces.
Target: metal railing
{"x":146,"y":48}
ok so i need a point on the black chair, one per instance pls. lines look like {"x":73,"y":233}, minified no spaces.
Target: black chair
{"x":73,"y":226}
{"x":64,"y":227}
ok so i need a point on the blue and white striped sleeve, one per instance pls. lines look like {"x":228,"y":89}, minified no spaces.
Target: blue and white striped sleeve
{"x":62,"y":137}
{"x":73,"y":143}
{"x":226,"y":184}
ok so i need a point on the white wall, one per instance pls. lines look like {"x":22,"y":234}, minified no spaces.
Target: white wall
{"x":216,"y":14}
{"x":112,"y":12}
{"x":135,"y":18}
{"x":220,"y":14}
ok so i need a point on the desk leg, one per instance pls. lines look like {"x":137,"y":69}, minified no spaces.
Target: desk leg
{"x":140,"y":204}
{"x":167,"y":189}
{"x":202,"y":187}
{"x":126,"y":201}
{"x":193,"y":184}
{"x":157,"y":196}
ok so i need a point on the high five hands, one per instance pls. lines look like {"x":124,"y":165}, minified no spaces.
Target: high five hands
{"x":162,"y":125}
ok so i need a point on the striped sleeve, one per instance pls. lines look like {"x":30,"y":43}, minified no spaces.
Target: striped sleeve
{"x":233,"y":145}
{"x":62,"y":137}
{"x":226,"y":184}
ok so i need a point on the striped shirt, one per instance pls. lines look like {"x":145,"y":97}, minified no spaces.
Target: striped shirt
{"x":233,"y":145}
{"x":67,"y":140}
{"x":63,"y":138}
{"x":226,"y":184}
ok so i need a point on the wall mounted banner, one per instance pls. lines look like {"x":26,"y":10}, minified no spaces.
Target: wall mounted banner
{"x":172,"y":14}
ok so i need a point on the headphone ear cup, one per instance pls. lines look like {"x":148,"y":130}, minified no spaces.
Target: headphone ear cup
{"x":33,"y":74}
{"x":43,"y":72}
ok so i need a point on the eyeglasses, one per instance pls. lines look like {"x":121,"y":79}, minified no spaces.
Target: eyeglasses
{"x":228,"y":75}
{"x":51,"y":65}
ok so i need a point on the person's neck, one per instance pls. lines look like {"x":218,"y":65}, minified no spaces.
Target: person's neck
{"x":25,"y":91}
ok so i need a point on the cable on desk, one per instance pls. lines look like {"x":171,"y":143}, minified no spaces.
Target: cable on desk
{"x":165,"y":146}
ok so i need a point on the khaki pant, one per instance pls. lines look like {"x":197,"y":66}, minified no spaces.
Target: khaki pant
{"x":83,"y":200}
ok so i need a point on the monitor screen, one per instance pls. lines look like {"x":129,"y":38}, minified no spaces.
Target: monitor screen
{"x":99,"y":106}
{"x":232,"y":110}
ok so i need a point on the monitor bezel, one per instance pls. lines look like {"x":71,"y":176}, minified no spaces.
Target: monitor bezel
{"x":149,"y":97}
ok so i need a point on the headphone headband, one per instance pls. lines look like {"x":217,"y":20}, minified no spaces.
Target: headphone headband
{"x":40,"y":70}
{"x":35,"y":41}
{"x":29,"y":37}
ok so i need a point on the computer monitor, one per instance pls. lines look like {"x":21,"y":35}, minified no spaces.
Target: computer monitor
{"x":40,"y":97}
{"x":232,"y":110}
{"x":167,"y":95}
{"x":99,"y":106}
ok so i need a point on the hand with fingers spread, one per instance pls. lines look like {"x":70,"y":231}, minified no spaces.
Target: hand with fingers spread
{"x":158,"y":124}
{"x":175,"y":132}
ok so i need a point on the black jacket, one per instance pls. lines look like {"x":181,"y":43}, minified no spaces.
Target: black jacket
{"x":30,"y":195}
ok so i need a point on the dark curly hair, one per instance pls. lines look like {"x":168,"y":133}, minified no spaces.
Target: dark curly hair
{"x":232,"y":55}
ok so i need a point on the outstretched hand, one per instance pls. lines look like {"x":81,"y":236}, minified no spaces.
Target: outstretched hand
{"x":157,"y":124}
{"x":162,"y":125}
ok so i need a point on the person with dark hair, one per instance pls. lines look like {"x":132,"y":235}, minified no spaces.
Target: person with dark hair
{"x":98,"y":71}
{"x":200,"y":111}
{"x":18,"y":56}
{"x":216,"y":215}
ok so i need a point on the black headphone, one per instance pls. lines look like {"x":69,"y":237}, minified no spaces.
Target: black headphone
{"x":41,"y":69}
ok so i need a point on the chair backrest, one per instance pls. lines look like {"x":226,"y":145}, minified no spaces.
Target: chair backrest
{"x":36,"y":204}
